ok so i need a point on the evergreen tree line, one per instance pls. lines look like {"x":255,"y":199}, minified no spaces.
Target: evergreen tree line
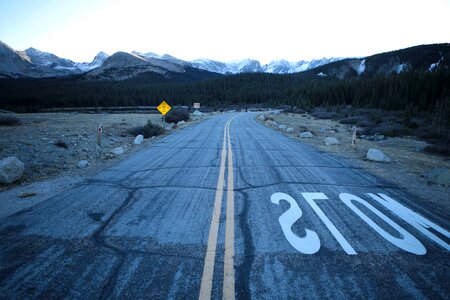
{"x":426,"y":93}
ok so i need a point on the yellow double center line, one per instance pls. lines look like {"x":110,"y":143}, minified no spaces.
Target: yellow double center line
{"x":228,"y":291}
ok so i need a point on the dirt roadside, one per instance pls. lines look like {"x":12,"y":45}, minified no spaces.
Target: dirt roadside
{"x":409,"y":164}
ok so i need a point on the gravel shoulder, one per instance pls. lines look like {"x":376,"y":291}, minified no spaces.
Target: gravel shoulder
{"x":409,"y":166}
{"x":51,"y":169}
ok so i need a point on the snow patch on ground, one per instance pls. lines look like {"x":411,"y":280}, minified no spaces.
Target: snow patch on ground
{"x":435,"y":65}
{"x":400,"y":68}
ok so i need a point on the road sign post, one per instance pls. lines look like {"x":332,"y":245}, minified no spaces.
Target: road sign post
{"x":353,"y":137}
{"x":99,"y":135}
{"x":164,"y":108}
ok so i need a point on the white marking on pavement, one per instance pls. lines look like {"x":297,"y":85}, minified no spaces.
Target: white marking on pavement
{"x":310,"y":197}
{"x":310,"y":243}
{"x":414,"y":219}
{"x":408,"y":242}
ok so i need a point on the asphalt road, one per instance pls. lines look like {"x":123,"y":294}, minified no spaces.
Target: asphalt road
{"x":228,"y":208}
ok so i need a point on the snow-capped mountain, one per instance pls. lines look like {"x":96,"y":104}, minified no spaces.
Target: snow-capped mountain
{"x":59,"y":66}
{"x":63,"y":66}
{"x":278,"y":67}
{"x":35,"y":63}
{"x":210,"y":65}
{"x":233,"y":67}
{"x":165,"y":57}
{"x":98,"y":61}
{"x":123,"y":65}
{"x":252,"y":66}
{"x":13,"y":63}
{"x":285,"y":67}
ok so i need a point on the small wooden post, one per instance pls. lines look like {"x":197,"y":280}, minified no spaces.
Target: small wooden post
{"x":99,"y":135}
{"x":353,"y":137}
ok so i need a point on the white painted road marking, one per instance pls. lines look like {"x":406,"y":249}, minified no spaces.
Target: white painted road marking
{"x":407,"y":242}
{"x":414,"y":219}
{"x":310,"y":197}
{"x":310,"y":244}
{"x":208,"y":268}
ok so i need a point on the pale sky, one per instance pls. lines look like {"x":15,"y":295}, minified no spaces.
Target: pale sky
{"x":223,"y":30}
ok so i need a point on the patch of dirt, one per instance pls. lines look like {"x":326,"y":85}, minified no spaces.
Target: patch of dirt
{"x":410,"y":162}
{"x":52,"y":144}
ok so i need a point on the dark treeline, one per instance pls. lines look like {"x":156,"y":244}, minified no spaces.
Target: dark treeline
{"x":427,"y":93}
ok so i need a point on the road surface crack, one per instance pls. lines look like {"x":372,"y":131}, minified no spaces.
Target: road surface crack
{"x":243,"y":271}
{"x":316,"y":183}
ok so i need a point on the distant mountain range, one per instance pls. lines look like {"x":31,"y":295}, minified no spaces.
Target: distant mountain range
{"x":121,"y":65}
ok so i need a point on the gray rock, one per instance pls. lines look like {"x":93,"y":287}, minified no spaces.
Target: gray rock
{"x":117,"y":151}
{"x":290,"y":130}
{"x":197,"y":113}
{"x":271,"y":123}
{"x":439,"y":176}
{"x":282,"y":126}
{"x":11,"y":169}
{"x":182,"y":122}
{"x":82,"y":163}
{"x":138,"y":139}
{"x":377,"y":155}
{"x":306,"y":135}
{"x":377,"y":137}
{"x":262,"y":118}
{"x":331,"y":141}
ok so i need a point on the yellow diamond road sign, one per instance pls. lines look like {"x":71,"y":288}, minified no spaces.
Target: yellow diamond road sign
{"x":164,"y":108}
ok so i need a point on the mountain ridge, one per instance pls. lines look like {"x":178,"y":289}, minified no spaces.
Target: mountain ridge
{"x":121,"y":65}
{"x":34,"y":63}
{"x":45,"y":64}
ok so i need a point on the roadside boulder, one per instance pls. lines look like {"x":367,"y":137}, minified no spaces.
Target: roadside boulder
{"x":331,"y":141}
{"x":377,"y":155}
{"x":262,"y":118}
{"x":271,"y":123}
{"x":82,"y":163}
{"x":282,"y":126}
{"x":138,"y":139}
{"x":290,"y":130}
{"x":197,"y":113}
{"x":182,"y":122}
{"x":306,"y":135}
{"x":11,"y":169}
{"x":117,"y":151}
{"x":439,"y":176}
